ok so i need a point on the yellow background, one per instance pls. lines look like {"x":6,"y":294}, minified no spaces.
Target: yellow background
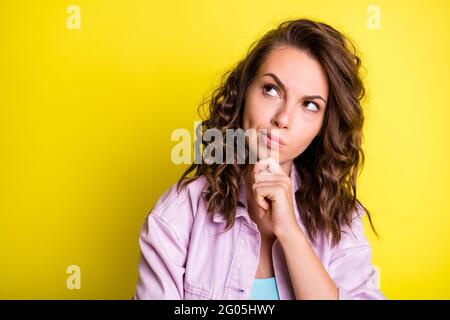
{"x":86,"y":117}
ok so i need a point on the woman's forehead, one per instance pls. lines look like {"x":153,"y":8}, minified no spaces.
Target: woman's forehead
{"x":297,"y":70}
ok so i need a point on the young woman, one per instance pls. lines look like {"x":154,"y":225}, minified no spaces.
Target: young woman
{"x":283,"y":228}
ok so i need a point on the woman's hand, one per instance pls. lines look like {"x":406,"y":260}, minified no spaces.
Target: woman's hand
{"x":272,"y":191}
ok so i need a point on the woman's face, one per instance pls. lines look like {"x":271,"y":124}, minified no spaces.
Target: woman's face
{"x":287,"y":98}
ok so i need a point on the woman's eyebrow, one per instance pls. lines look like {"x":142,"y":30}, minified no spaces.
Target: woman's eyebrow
{"x":283,"y":87}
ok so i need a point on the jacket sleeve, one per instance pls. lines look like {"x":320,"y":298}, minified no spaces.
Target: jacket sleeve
{"x":162,"y":261}
{"x":351,"y":265}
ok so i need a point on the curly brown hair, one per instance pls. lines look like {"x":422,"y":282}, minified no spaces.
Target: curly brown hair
{"x":330,"y":165}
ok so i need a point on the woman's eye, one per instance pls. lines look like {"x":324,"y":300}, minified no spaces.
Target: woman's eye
{"x":271,"y":91}
{"x":311,"y":106}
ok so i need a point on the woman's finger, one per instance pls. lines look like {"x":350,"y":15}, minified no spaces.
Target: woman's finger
{"x":262,"y":201}
{"x":269,"y":164}
{"x":264,"y":176}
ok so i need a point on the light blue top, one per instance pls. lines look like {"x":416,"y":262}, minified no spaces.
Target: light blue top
{"x":265,"y":289}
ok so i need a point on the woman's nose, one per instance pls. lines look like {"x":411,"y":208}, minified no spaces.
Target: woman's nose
{"x":284,"y":115}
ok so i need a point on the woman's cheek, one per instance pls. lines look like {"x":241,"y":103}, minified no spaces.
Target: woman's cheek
{"x":302,"y":141}
{"x":261,"y":110}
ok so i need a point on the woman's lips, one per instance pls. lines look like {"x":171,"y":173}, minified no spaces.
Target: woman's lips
{"x":271,"y":140}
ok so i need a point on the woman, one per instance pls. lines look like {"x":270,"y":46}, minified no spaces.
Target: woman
{"x":288,"y":226}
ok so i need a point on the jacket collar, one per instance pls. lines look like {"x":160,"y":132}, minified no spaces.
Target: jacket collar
{"x":242,"y":208}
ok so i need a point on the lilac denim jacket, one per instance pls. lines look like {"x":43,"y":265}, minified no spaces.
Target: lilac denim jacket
{"x":183,"y":256}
